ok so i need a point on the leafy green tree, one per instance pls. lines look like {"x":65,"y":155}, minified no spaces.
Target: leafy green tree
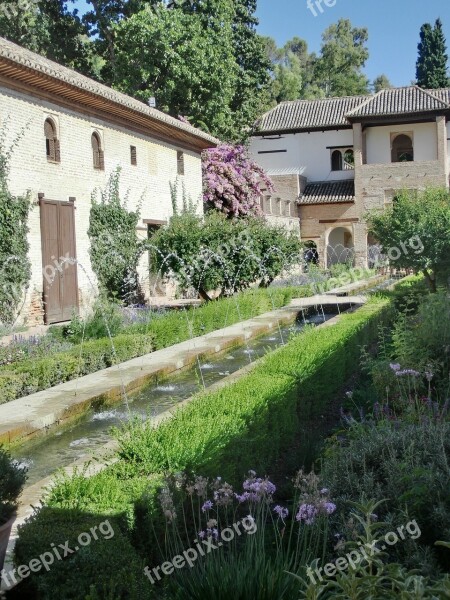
{"x":51,"y":29}
{"x":220,"y":254}
{"x":381,"y":83}
{"x":415,"y":232}
{"x":251,"y":86}
{"x":188,"y":68}
{"x":431,"y":67}
{"x":343,"y":54}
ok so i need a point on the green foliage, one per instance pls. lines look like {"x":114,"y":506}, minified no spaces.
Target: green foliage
{"x":115,"y":248}
{"x":105,"y":320}
{"x":373,"y":577}
{"x":12,"y":480}
{"x":187,"y":67}
{"x":343,"y":54}
{"x":15,"y":270}
{"x":381,"y":83}
{"x":51,"y":29}
{"x":416,"y":229}
{"x":216,"y":253}
{"x":337,"y":71}
{"x":431,"y":68}
{"x":108,"y":568}
{"x":29,"y":376}
{"x":422,"y":341}
{"x":406,"y":464}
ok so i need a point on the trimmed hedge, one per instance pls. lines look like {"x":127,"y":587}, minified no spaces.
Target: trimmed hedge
{"x":28,"y":376}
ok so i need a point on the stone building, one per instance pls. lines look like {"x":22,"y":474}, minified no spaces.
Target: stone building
{"x":337,"y":158}
{"x":73,"y":133}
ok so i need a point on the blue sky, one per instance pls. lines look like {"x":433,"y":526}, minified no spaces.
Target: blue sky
{"x":393,"y":25}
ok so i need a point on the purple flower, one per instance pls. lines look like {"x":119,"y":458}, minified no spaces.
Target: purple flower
{"x":207,"y":506}
{"x":281,"y":512}
{"x":329,"y":507}
{"x":324,"y":491}
{"x":201,"y":534}
{"x":395,"y":366}
{"x":307,"y":513}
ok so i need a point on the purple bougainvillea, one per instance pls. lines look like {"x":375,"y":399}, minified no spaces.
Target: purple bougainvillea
{"x":232,"y":183}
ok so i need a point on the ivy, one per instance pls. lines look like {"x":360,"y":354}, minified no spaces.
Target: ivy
{"x":15,"y":271}
{"x":115,"y":248}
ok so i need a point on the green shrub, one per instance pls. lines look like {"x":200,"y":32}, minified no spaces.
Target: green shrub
{"x":12,"y":480}
{"x":405,"y":464}
{"x":104,"y":321}
{"x":373,"y":575}
{"x":27,"y":377}
{"x":108,"y":568}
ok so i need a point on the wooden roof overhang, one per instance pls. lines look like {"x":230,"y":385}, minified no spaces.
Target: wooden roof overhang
{"x":19,"y":77}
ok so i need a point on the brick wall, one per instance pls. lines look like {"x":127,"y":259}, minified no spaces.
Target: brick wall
{"x":146,"y":184}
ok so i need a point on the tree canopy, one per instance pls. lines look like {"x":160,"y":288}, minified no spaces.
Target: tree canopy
{"x":431,"y":67}
{"x":415,"y":232}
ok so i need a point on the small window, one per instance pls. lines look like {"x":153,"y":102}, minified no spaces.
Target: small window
{"x":133,"y":155}
{"x":51,"y":141}
{"x":402,"y":148}
{"x":336,"y":161}
{"x":180,"y":163}
{"x":97,"y":152}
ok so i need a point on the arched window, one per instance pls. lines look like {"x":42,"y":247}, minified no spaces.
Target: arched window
{"x":97,"y":152}
{"x":51,"y":141}
{"x":336,"y":161}
{"x":349,"y":160}
{"x":402,"y":148}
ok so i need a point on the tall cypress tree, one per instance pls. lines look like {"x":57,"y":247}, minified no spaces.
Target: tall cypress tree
{"x":431,"y":68}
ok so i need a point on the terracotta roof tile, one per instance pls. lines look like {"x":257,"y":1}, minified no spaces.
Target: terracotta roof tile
{"x":308,"y":114}
{"x":400,"y":101}
{"x":328,"y":192}
{"x":305,"y":115}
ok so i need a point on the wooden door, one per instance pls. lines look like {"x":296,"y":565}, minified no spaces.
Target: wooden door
{"x":59,"y":260}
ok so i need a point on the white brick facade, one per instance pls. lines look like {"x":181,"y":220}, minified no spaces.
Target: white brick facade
{"x":147,"y":183}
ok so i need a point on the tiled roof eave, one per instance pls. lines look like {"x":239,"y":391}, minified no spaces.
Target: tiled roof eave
{"x":327,"y":201}
{"x":23,"y":67}
{"x":408,"y":116}
{"x":258,"y":133}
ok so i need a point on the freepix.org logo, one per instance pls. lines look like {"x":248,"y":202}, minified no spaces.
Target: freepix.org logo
{"x":317,"y":6}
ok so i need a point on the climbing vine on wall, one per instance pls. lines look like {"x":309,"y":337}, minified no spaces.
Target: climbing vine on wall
{"x":15,"y":266}
{"x":115,"y":248}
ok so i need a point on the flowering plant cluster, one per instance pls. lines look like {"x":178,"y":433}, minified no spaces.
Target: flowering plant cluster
{"x":21,"y":348}
{"x":232,"y":183}
{"x":214,"y":503}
